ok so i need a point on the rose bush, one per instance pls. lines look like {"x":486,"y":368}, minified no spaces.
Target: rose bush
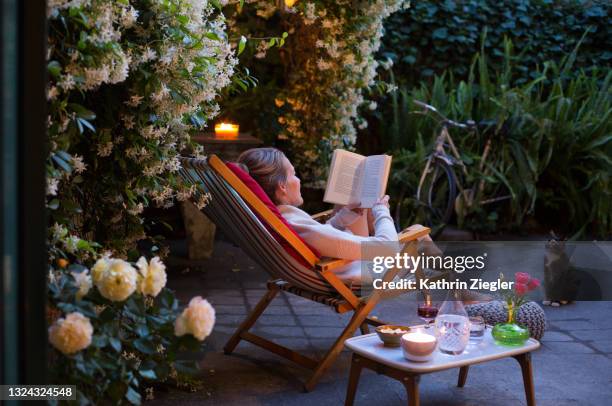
{"x":114,"y":342}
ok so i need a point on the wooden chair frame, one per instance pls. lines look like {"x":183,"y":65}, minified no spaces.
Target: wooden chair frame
{"x":360,"y":306}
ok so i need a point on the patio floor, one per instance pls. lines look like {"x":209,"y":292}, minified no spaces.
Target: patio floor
{"x":573,"y":366}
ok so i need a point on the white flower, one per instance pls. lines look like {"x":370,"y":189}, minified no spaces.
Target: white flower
{"x":148,"y":55}
{"x":58,"y":231}
{"x":197,"y":319}
{"x":52,"y":93}
{"x":83,"y":281}
{"x":136,"y":210}
{"x":134,"y":101}
{"x":129,"y":17}
{"x":372,"y":105}
{"x":105,"y":149}
{"x":71,"y":334}
{"x":391,"y":88}
{"x":66,"y":82}
{"x":52,"y":186}
{"x":71,"y":244}
{"x":117,"y":281}
{"x":77,"y":163}
{"x":152,"y":276}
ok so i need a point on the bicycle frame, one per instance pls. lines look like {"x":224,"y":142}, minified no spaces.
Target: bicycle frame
{"x":440,"y":152}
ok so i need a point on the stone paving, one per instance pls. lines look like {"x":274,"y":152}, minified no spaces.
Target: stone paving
{"x":573,"y":366}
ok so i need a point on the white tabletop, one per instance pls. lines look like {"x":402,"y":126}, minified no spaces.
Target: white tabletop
{"x":369,"y":346}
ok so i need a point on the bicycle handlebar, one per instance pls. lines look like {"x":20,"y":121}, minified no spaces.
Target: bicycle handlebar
{"x":446,"y":121}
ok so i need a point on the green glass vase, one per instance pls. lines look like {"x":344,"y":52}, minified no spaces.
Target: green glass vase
{"x":510,"y":333}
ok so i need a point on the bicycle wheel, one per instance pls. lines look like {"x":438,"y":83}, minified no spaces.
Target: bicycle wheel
{"x":438,"y":195}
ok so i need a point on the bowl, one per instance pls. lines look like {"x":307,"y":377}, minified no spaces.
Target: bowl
{"x":391,"y":338}
{"x":418,"y":346}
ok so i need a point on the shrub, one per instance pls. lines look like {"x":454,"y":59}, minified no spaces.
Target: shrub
{"x":433,"y":37}
{"x":551,"y":143}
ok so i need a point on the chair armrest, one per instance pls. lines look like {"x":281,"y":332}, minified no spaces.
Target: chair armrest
{"x":323,"y":216}
{"x":328,"y":264}
{"x":410,"y":235}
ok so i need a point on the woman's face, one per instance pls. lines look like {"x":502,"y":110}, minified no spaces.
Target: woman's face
{"x":289,"y":192}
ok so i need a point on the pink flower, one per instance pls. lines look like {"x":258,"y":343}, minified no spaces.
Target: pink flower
{"x":533,"y":284}
{"x":520,"y":288}
{"x":522,"y":277}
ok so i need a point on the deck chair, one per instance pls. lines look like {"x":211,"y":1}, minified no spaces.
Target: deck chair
{"x":232,"y":207}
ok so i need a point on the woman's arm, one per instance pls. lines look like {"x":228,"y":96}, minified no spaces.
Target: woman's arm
{"x":335,"y":243}
{"x":343,"y":218}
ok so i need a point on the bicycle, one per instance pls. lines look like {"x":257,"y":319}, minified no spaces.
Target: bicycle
{"x":440,"y":190}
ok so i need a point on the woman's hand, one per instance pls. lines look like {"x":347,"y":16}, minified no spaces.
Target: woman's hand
{"x":383,"y":200}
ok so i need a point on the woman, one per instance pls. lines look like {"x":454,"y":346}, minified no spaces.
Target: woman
{"x":343,"y":234}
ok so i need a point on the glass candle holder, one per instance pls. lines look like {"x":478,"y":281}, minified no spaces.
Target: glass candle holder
{"x":225,"y":130}
{"x":477,"y":328}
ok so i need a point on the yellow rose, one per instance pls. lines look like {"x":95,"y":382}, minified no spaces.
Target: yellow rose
{"x":99,"y":268}
{"x":118,"y":281}
{"x":197,"y":319}
{"x":83,"y":281}
{"x":152,"y":276}
{"x":71,"y":334}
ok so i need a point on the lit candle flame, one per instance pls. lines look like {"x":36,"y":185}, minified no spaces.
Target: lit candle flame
{"x":226,"y":130}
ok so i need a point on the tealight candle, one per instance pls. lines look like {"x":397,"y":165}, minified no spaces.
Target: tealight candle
{"x":418,"y":346}
{"x":225,"y":130}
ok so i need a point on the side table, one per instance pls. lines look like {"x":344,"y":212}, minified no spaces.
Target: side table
{"x":200,"y":230}
{"x":369,"y":352}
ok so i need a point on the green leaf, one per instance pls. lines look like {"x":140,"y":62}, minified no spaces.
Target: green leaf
{"x":142,"y":331}
{"x":145,"y":346}
{"x":115,"y":343}
{"x":81,"y":111}
{"x":242,"y":44}
{"x":63,"y":163}
{"x":132,"y":396}
{"x":53,"y":204}
{"x":187,"y":367}
{"x":54,"y":68}
{"x":213,"y":36}
{"x":99,"y":341}
{"x":148,"y":374}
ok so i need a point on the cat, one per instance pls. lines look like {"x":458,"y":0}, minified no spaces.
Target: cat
{"x":561,"y":281}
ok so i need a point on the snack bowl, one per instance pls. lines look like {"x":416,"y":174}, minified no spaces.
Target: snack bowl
{"x":391,"y":334}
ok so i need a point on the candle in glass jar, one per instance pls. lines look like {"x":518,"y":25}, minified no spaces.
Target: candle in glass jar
{"x":418,"y":346}
{"x":225,"y":130}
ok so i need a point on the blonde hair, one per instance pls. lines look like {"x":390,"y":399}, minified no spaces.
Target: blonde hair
{"x":267,"y":167}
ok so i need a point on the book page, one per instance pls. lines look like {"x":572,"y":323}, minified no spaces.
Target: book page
{"x":376,"y":173}
{"x":345,"y":177}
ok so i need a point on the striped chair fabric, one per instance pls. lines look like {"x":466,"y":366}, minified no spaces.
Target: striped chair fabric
{"x":234,"y":217}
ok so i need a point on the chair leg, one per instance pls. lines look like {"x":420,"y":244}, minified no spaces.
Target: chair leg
{"x":463,"y":374}
{"x":364,"y":328}
{"x":250,"y":320}
{"x":358,"y":318}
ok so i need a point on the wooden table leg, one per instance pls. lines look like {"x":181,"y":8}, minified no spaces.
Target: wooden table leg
{"x":356,"y":367}
{"x":411,"y":382}
{"x":463,"y":373}
{"x":525,"y":361}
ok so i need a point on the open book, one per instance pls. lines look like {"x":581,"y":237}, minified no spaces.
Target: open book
{"x":354,"y":178}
